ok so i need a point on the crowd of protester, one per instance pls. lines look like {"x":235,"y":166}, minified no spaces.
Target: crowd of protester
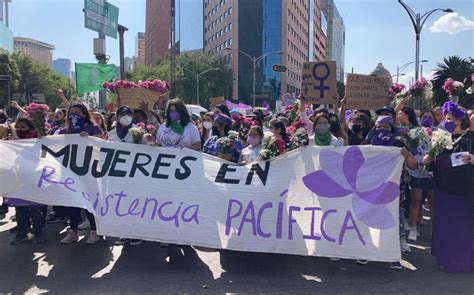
{"x":445,"y":192}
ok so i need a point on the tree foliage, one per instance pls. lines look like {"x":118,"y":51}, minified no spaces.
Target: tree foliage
{"x":213,"y":83}
{"x":456,"y":68}
{"x":29,"y":77}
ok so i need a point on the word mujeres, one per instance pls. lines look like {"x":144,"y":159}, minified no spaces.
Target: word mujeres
{"x":122,"y":163}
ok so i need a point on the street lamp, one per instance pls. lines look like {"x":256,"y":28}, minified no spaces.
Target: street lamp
{"x":401,"y":68}
{"x":198,"y":76}
{"x":255,"y":61}
{"x":418,"y":21}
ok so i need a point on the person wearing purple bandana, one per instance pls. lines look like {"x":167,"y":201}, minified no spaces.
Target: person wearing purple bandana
{"x":453,"y":218}
{"x":421,"y":182}
{"x":79,"y":122}
{"x":384,"y":135}
{"x":178,"y":131}
{"x":124,"y":122}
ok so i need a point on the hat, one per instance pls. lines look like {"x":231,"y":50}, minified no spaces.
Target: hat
{"x":386,"y":120}
{"x":385,"y":109}
{"x":223,"y":119}
{"x":124,"y":110}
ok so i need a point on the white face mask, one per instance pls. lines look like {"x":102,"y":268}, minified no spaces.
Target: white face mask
{"x":207,"y":125}
{"x":126,"y":120}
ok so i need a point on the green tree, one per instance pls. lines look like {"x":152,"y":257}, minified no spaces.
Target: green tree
{"x":38,"y":78}
{"x":213,"y":83}
{"x":456,"y":68}
{"x":9,"y":67}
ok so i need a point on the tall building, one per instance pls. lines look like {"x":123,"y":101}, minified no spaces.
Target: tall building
{"x":140,"y":48}
{"x":6,"y":36}
{"x":336,"y":36}
{"x":39,"y":51}
{"x":278,"y":31}
{"x":158,"y":29}
{"x":63,"y":66}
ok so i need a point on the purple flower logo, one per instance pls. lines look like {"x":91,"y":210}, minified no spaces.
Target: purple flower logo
{"x":366,"y":179}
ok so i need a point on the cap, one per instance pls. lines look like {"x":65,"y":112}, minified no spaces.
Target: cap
{"x":387,"y":120}
{"x":385,"y":109}
{"x":223,"y":119}
{"x":124,"y":110}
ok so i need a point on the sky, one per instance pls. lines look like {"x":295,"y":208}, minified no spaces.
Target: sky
{"x":376,"y":30}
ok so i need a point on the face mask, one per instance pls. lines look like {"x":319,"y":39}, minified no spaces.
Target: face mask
{"x":207,"y":125}
{"x":383,"y":137}
{"x":450,"y":126}
{"x":126,"y":120}
{"x":426,"y":122}
{"x":175,"y":116}
{"x":24,"y":134}
{"x":76,"y":123}
{"x":335,"y":127}
{"x":322,"y":128}
{"x":253,"y":140}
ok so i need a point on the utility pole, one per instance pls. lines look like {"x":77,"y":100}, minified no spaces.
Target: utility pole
{"x":102,"y":59}
{"x":173,"y":49}
{"x":7,"y":18}
{"x":121,"y":31}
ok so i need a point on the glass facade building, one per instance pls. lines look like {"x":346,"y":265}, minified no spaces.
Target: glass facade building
{"x":336,"y":35}
{"x":261,"y":20}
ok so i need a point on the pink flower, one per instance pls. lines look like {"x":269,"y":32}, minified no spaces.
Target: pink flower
{"x":141,"y":125}
{"x":151,"y":128}
{"x":396,"y":88}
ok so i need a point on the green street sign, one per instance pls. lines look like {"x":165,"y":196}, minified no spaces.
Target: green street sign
{"x":101,"y":16}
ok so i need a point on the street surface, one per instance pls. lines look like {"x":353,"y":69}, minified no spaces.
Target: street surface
{"x":52,"y":268}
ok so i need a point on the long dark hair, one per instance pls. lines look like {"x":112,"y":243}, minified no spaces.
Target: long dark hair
{"x":224,"y":109}
{"x":109,"y":121}
{"x":411,"y":116}
{"x":181,"y":109}
{"x":84,"y":110}
{"x":27,"y":121}
{"x":338,"y":133}
{"x":278,"y":124}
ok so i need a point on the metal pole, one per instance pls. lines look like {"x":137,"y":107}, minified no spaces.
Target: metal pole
{"x":398,"y":72}
{"x":102,"y":92}
{"x":173,"y":53}
{"x":197,"y":89}
{"x":254,"y":79}
{"x":421,"y":70}
{"x":6,"y":14}
{"x":121,"y":31}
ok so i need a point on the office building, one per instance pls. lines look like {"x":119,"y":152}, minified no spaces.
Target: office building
{"x":279,"y":31}
{"x":63,"y":66}
{"x":158,"y":29}
{"x":139,"y":58}
{"x":6,"y":36}
{"x":336,"y":36}
{"x":40,"y":52}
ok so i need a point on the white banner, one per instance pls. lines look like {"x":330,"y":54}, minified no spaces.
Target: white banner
{"x":333,"y":202}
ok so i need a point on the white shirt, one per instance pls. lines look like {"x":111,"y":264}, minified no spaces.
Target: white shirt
{"x":166,"y":137}
{"x":334,"y":141}
{"x":113,"y":136}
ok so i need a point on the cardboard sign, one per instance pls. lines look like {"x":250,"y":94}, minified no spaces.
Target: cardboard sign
{"x":367,"y":92}
{"x":133,"y":96}
{"x":319,"y":84}
{"x":334,"y":202}
{"x":213,"y":101}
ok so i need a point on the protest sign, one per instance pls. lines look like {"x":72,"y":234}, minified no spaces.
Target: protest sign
{"x":332,"y":202}
{"x":367,"y":92}
{"x":319,"y":84}
{"x":213,"y":101}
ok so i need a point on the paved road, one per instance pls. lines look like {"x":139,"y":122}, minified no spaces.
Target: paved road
{"x":107,"y":269}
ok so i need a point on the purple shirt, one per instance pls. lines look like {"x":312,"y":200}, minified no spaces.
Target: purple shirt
{"x":89,"y":128}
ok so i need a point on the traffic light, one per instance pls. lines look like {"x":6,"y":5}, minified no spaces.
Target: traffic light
{"x":279,"y":68}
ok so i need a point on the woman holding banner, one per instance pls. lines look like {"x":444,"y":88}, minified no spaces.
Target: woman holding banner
{"x":79,"y":122}
{"x":453,"y":218}
{"x":178,"y":131}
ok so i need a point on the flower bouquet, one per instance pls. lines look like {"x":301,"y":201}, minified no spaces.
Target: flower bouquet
{"x":396,"y":88}
{"x":423,"y":89}
{"x":271,"y":148}
{"x":453,"y":89}
{"x":149,"y":139}
{"x":154,"y":85}
{"x":441,"y":140}
{"x":38,"y":113}
{"x":138,"y":133}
